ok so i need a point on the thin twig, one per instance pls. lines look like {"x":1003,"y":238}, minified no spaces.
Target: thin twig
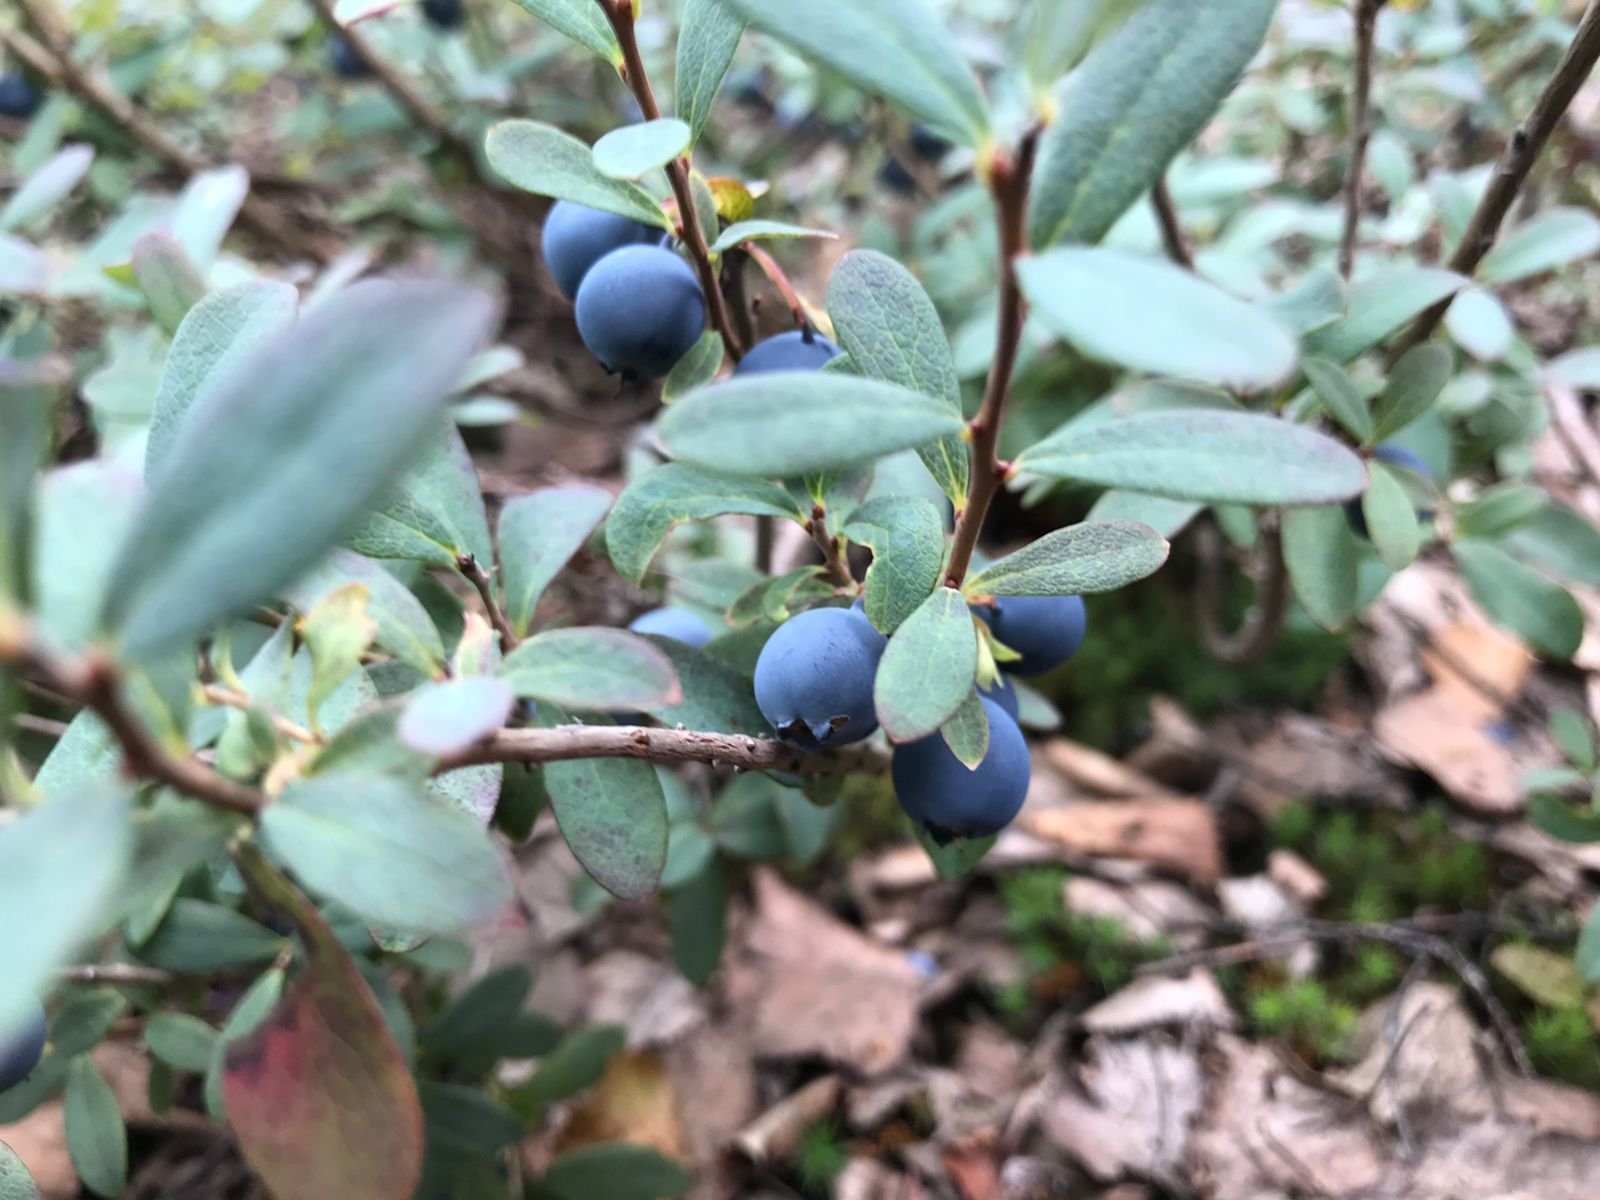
{"x":54,"y":47}
{"x":1521,"y":152}
{"x":477,"y":575}
{"x":1566,"y":413}
{"x":214,"y":693}
{"x":43,"y":726}
{"x":1408,"y":936}
{"x":93,"y":682}
{"x":422,"y":111}
{"x":130,"y":974}
{"x":775,"y":274}
{"x":1172,"y":235}
{"x":1009,"y":180}
{"x":620,"y":14}
{"x":565,"y":742}
{"x":838,"y":569}
{"x":1360,"y":131}
{"x":738,"y":299}
{"x":1259,"y":629}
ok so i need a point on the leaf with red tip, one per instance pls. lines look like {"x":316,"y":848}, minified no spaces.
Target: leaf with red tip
{"x":319,"y":1096}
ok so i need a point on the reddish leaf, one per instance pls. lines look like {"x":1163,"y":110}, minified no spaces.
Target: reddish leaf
{"x":319,"y":1095}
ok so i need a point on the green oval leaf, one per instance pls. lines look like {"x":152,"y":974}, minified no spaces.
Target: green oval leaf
{"x":1391,"y":519}
{"x":404,"y":627}
{"x":928,"y":669}
{"x":635,"y":150}
{"x":1138,"y":98}
{"x":967,"y":733}
{"x":1380,"y":303}
{"x":890,"y":329}
{"x":615,"y":1171}
{"x":435,"y":514}
{"x":1541,"y":613}
{"x":1552,"y":239}
{"x":265,"y":477}
{"x":1480,"y":325}
{"x":708,"y":34}
{"x":755,"y":231}
{"x":791,"y":423}
{"x":900,"y":49}
{"x":15,"y":1182}
{"x":43,"y":191}
{"x":1080,"y":560}
{"x":1322,"y":558}
{"x":539,"y":534}
{"x":906,"y":537}
{"x":666,"y":496}
{"x":1186,"y":327}
{"x":1205,"y":455}
{"x":214,"y":335}
{"x":715,"y":697}
{"x":381,"y":847}
{"x":1341,"y":397}
{"x":97,"y":1140}
{"x":171,"y":283}
{"x":1559,"y":541}
{"x":592,"y":668}
{"x":547,"y":162}
{"x":81,"y":514}
{"x":445,"y":718}
{"x":1413,"y":385}
{"x":696,"y":368}
{"x":196,"y":935}
{"x":612,"y":813}
{"x":63,"y":863}
{"x":581,"y":20}
{"x":181,"y":1041}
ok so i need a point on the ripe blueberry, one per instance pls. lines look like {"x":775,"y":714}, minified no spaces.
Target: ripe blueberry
{"x":346,"y":61}
{"x":1004,"y":693}
{"x":814,"y":677}
{"x":928,"y":145}
{"x":21,"y":1048}
{"x":639,"y":310}
{"x":576,"y":237}
{"x":939,"y":793}
{"x":18,"y":97}
{"x":798,"y":350}
{"x":679,"y":624}
{"x":444,"y":14}
{"x":1395,"y":456}
{"x":1045,"y":630}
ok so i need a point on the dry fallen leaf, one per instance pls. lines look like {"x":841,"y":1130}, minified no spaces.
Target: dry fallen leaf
{"x":1175,"y":835}
{"x":1152,"y":1000}
{"x":633,"y":1102}
{"x":813,"y":986}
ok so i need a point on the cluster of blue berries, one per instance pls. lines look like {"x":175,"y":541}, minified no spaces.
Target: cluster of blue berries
{"x":21,"y":1048}
{"x":814,"y":684}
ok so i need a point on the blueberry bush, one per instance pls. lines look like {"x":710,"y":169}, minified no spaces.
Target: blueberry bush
{"x":280,"y":687}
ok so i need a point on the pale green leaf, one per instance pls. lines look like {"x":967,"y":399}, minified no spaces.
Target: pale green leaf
{"x":792,"y":423}
{"x":1541,"y":613}
{"x":1080,"y":560}
{"x":435,"y":513}
{"x":928,"y":669}
{"x":1380,"y":303}
{"x":1480,"y":325}
{"x":404,"y":627}
{"x":1391,"y":519}
{"x":581,"y":20}
{"x":1204,"y":455}
{"x":906,"y":537}
{"x":900,"y":49}
{"x":43,"y":191}
{"x":696,"y":368}
{"x":1184,"y":327}
{"x":539,"y":534}
{"x":635,"y":150}
{"x":1139,"y":98}
{"x":592,"y":668}
{"x":1554,"y":238}
{"x":1414,"y":384}
{"x":1341,"y":397}
{"x":755,"y":231}
{"x":97,"y":1139}
{"x":1322,"y":558}
{"x":708,"y":34}
{"x":544,"y":160}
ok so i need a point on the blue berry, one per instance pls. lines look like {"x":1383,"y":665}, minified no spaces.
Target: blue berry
{"x":1045,"y":630}
{"x":18,"y":97}
{"x":21,"y":1048}
{"x":444,"y":14}
{"x":1395,"y":456}
{"x":939,"y":793}
{"x":346,"y":61}
{"x":814,"y":677}
{"x":679,"y":624}
{"x":1004,"y":694}
{"x":799,"y":350}
{"x":575,"y":237}
{"x":639,"y":310}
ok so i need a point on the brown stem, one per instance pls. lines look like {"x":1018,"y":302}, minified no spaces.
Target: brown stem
{"x":93,"y":683}
{"x":1259,"y":631}
{"x":52,"y":53}
{"x":566,"y":742}
{"x":738,"y":300}
{"x":226,"y":697}
{"x":620,"y":14}
{"x":1009,"y":179}
{"x":1172,"y":235}
{"x":838,"y":570}
{"x":478,"y":576}
{"x":130,"y":974}
{"x":1360,"y":131}
{"x":423,"y":112}
{"x":775,"y":273}
{"x":1516,"y":161}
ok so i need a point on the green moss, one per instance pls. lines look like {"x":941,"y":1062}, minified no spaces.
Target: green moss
{"x":1307,"y":1015}
{"x":1564,"y":1045}
{"x":820,"y":1157}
